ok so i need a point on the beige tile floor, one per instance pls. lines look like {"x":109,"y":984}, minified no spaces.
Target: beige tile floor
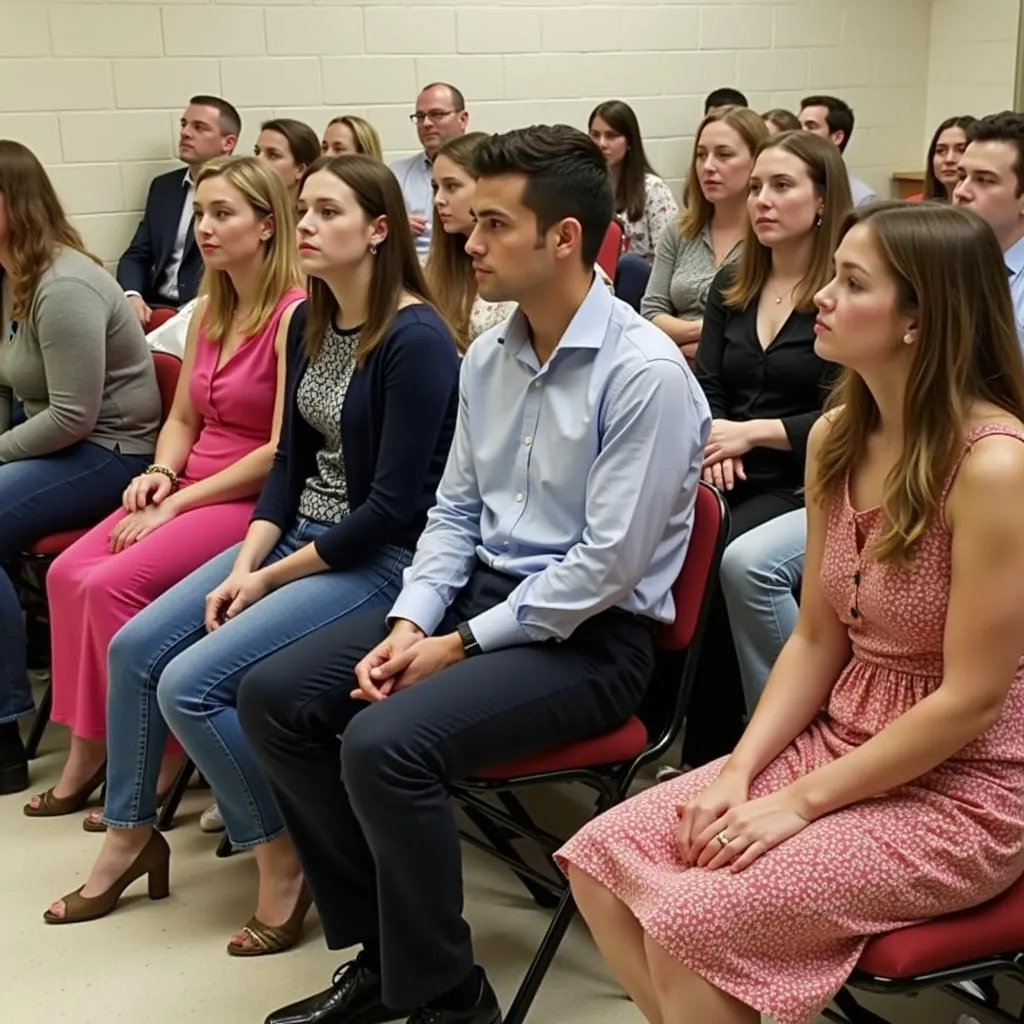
{"x":165,"y":962}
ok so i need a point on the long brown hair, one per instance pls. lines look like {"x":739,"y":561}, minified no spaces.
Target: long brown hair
{"x":449,"y":269}
{"x":697,"y":208}
{"x":396,"y":270}
{"x":267,"y":196}
{"x":37,"y":225}
{"x":950,"y":276}
{"x":933,"y":188}
{"x":630,"y":190}
{"x":831,"y":181}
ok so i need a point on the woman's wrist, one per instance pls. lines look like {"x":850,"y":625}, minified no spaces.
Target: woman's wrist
{"x":162,"y":470}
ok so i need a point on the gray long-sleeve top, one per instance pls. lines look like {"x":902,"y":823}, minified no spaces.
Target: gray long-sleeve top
{"x":80,"y":364}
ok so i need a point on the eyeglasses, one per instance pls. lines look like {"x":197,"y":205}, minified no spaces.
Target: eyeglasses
{"x":433,"y":115}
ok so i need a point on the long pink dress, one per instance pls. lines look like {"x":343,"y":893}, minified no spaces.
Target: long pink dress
{"x":784,"y":934}
{"x":93,"y":593}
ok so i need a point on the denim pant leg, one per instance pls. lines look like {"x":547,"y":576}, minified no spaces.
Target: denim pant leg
{"x":136,"y":731}
{"x":198,"y":690}
{"x":760,"y":575}
{"x":69,"y":489}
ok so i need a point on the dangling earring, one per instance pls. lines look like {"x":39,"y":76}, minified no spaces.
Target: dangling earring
{"x":817,"y":223}
{"x":373,"y":248}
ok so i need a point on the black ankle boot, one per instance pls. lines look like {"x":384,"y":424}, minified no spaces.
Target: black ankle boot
{"x":13,"y":760}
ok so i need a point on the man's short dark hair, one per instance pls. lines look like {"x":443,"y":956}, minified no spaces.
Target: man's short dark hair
{"x":839,"y":117}
{"x":1006,"y":126}
{"x":566,"y":177}
{"x":458,"y":100}
{"x":230,"y":119}
{"x":727,"y":96}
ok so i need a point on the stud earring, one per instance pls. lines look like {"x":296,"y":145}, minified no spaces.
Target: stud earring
{"x":908,"y":339}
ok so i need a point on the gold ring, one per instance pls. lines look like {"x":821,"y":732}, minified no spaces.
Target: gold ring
{"x":723,"y":840}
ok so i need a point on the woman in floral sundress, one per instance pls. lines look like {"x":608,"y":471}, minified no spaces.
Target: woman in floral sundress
{"x":881,"y":779}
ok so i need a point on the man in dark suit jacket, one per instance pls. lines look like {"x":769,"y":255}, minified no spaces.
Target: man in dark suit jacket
{"x":162,"y":266}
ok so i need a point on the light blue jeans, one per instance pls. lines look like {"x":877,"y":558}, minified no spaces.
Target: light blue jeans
{"x":760,"y":576}
{"x":165,"y":656}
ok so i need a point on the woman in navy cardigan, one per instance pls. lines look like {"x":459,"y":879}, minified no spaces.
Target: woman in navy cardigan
{"x":371,"y":398}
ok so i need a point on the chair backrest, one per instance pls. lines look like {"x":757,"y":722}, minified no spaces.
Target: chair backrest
{"x":159,"y":316}
{"x":611,"y":249}
{"x":168,"y":369}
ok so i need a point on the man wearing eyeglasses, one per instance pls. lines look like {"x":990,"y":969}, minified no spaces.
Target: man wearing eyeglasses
{"x":440,"y":115}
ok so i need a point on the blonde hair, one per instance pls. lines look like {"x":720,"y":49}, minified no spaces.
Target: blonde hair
{"x":367,"y":139}
{"x":949,"y":275}
{"x":449,"y":269}
{"x":697,"y":208}
{"x":831,"y":181}
{"x":267,"y":196}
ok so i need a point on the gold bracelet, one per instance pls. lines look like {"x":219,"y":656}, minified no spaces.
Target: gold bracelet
{"x":165,"y":471}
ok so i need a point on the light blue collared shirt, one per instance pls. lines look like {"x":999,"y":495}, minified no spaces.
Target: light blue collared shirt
{"x":578,"y":476}
{"x":1014,"y":260}
{"x":413,"y":174}
{"x":860,"y":191}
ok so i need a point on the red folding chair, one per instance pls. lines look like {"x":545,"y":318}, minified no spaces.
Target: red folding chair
{"x":39,"y":557}
{"x":159,"y":316}
{"x":611,"y":249}
{"x":971,"y":947}
{"x":607,"y":764}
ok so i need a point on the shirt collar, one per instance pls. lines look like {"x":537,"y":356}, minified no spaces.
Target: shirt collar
{"x":187,"y":182}
{"x":1014,"y":257}
{"x":586,"y":329}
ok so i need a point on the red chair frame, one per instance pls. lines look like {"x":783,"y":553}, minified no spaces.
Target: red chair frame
{"x":611,"y":248}
{"x":609,"y":764}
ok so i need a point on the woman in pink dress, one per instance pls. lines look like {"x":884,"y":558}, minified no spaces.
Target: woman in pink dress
{"x":881,"y":779}
{"x":212,"y":456}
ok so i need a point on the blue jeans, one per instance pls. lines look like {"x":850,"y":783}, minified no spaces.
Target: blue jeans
{"x":760,"y":575}
{"x":67,"y":490}
{"x":165,"y":656}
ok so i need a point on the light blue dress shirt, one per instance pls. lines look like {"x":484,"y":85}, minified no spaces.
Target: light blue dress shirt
{"x":578,"y":476}
{"x":413,"y":174}
{"x":1014,"y":260}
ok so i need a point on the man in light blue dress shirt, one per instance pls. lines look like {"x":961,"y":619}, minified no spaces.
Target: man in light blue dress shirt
{"x":440,"y":115}
{"x":991,"y":182}
{"x":526,"y":620}
{"x":832,"y":119}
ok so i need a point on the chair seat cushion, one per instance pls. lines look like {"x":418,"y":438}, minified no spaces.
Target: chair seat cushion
{"x":53,"y":544}
{"x":625,"y":743}
{"x":990,"y":929}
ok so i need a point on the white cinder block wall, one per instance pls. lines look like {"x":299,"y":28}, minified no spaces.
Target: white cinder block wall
{"x":96,"y":88}
{"x":972,"y":60}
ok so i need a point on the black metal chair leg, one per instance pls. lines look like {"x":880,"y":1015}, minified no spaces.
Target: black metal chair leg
{"x":39,"y":723}
{"x":174,"y":798}
{"x":542,"y":961}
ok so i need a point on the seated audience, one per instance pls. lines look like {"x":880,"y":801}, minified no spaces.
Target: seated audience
{"x":162,"y":266}
{"x":760,"y":577}
{"x":779,"y":120}
{"x":440,"y":115}
{"x":369,"y":414}
{"x":350,"y":134}
{"x":212,"y":457}
{"x":944,"y":154}
{"x":718,"y":99}
{"x":290,"y":147}
{"x":832,"y":118}
{"x":535,"y":585}
{"x":75,"y":356}
{"x":881,"y":779}
{"x":764,"y":381}
{"x":643,"y":202}
{"x":711,"y":229}
{"x":990,"y":181}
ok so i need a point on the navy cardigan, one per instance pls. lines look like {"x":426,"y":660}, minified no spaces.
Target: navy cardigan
{"x":397,"y":422}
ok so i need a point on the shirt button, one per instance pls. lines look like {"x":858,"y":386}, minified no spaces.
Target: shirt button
{"x":538,"y":384}
{"x":506,"y":545}
{"x":519,"y":496}
{"x":527,"y":440}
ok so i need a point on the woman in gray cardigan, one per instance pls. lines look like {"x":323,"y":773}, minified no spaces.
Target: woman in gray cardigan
{"x":73,"y":353}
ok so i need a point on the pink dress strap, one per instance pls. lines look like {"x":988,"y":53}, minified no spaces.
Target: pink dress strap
{"x":973,"y":436}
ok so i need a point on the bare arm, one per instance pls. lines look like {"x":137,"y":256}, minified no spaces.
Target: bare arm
{"x":982,"y":646}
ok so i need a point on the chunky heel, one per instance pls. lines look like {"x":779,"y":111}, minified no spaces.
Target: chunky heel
{"x":160,"y":881}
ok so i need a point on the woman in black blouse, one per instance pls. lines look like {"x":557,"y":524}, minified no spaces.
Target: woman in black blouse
{"x":763,"y":381}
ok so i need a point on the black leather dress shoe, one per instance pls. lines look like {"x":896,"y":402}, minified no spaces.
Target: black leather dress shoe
{"x":353,"y":998}
{"x":486,"y":1011}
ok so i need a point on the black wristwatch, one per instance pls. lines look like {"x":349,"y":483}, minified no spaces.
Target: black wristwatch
{"x":469,"y":644}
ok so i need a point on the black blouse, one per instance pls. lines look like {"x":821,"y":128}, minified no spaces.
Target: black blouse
{"x":742,"y":381}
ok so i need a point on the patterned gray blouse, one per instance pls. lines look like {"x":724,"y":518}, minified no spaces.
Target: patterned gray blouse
{"x":320,"y":396}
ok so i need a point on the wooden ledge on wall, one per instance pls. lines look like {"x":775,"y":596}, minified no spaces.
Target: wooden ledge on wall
{"x":907,"y":184}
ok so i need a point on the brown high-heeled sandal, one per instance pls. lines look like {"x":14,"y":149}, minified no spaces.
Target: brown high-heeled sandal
{"x":268,"y":939}
{"x":51,"y":806}
{"x":153,"y":860}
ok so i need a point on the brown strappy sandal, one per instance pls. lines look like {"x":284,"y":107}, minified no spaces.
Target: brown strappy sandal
{"x":154,"y":860}
{"x":51,"y":806}
{"x":267,"y":939}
